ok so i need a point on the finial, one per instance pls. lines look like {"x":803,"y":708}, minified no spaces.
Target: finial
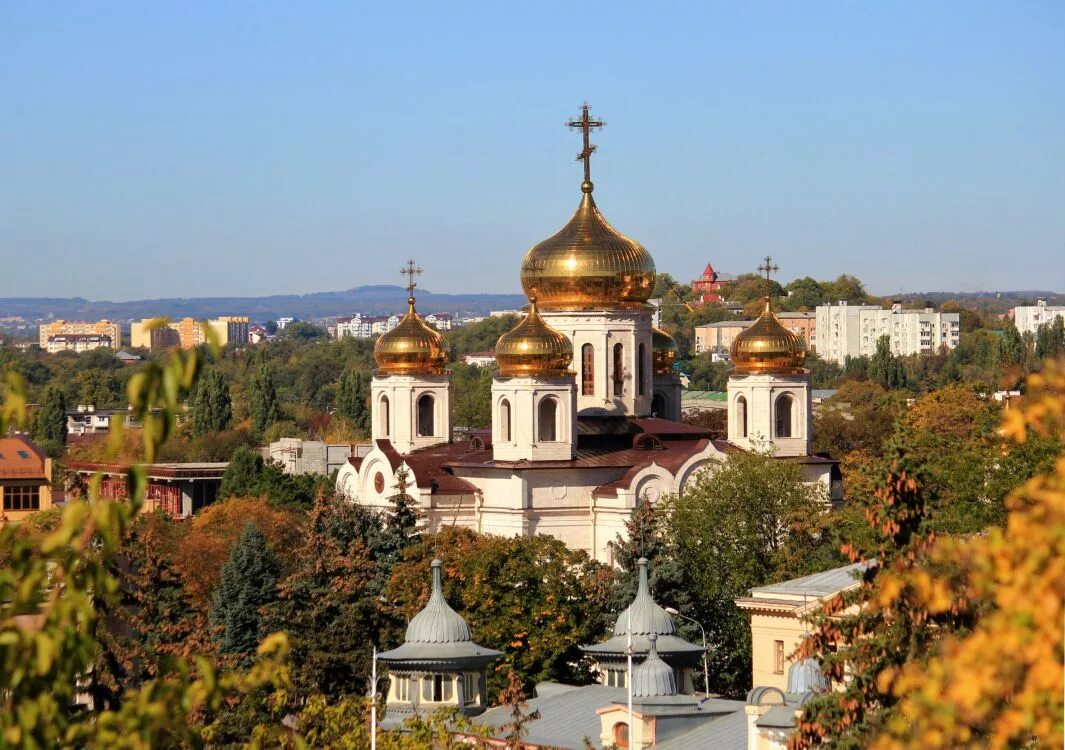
{"x":437,"y":589}
{"x":410,"y":271}
{"x":652,"y":649}
{"x":586,"y":124}
{"x":644,"y":588}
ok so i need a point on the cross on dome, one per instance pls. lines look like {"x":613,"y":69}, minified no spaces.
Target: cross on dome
{"x":586,"y":124}
{"x":768,"y":267}
{"x":410,"y":271}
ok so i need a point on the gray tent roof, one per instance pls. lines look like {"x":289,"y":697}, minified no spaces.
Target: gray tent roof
{"x":653,"y":677}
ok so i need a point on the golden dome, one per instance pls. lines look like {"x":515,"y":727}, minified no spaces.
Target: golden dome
{"x":767,"y":346}
{"x":411,"y":348}
{"x":588,"y":264}
{"x":533,"y":348}
{"x":663,"y":351}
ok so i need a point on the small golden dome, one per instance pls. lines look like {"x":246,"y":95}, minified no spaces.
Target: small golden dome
{"x":411,"y":348}
{"x":767,"y":346}
{"x":533,"y":348}
{"x":663,"y":351}
{"x":588,"y":264}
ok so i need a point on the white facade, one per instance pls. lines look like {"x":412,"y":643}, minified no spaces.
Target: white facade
{"x":411,"y":411}
{"x":845,"y":330}
{"x":1028,"y":318}
{"x":770,"y":409}
{"x":534,"y":418}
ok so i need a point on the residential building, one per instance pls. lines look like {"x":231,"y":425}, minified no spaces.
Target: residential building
{"x":257,"y":334}
{"x":439,"y":321}
{"x":1028,"y":318}
{"x":802,"y":324}
{"x":179,"y":489}
{"x":86,"y":419}
{"x":718,"y":337}
{"x":25,"y":478}
{"x":503,"y":313}
{"x":79,"y":336}
{"x":480,"y":359}
{"x":845,"y":330}
{"x":298,"y":456}
{"x":779,"y":618}
{"x":361,"y":326}
{"x":156,"y":334}
{"x":708,"y":286}
{"x":282,"y":322}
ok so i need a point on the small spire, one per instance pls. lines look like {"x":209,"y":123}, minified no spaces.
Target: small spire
{"x":644,"y":589}
{"x":437,"y":588}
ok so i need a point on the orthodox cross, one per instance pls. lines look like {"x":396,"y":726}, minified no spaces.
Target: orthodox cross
{"x":410,"y":271}
{"x":586,"y":123}
{"x":768,"y":267}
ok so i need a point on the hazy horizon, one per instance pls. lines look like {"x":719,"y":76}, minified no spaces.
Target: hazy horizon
{"x":202,"y":151}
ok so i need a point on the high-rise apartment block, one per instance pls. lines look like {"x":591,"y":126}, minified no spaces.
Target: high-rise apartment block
{"x":188,"y":332}
{"x":79,"y":336}
{"x":1028,"y":318}
{"x":853,"y":330}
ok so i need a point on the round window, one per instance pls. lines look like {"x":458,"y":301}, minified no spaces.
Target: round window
{"x":379,"y":483}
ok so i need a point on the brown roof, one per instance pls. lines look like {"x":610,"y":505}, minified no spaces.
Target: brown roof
{"x":20,"y":458}
{"x":155,"y":471}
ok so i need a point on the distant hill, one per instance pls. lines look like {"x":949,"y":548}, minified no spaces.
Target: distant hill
{"x":374,"y":300}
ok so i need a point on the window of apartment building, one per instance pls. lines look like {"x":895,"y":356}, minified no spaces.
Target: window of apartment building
{"x":778,"y":657}
{"x":22,"y":497}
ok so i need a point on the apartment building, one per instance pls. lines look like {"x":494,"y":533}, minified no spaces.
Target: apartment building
{"x":188,"y":332}
{"x":1028,"y":318}
{"x":717,"y":337}
{"x":79,"y":336}
{"x":845,"y":330}
{"x":803,"y":324}
{"x":25,"y":478}
{"x":366,"y":326}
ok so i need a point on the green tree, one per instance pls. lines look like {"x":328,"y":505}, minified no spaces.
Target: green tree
{"x":1050,"y":339}
{"x":1011,"y":349}
{"x":242,"y":476}
{"x":351,"y":399}
{"x":212,"y":409}
{"x":262,"y":399}
{"x":52,"y":417}
{"x":302,"y":331}
{"x":249,"y":583}
{"x":738,"y":526}
{"x":805,"y":293}
{"x":473,"y":395}
{"x":884,"y":366}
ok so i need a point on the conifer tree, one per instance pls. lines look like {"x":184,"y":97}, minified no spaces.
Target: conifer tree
{"x":212,"y":408}
{"x":262,"y":399}
{"x":243,"y":476}
{"x":885,"y":367}
{"x":351,"y":399}
{"x":403,"y":520}
{"x":1011,"y":349}
{"x":249,"y":583}
{"x":52,"y":418}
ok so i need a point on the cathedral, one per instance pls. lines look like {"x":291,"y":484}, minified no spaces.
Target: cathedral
{"x":586,"y":405}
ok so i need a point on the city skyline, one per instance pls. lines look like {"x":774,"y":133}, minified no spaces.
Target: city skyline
{"x":293,"y":151}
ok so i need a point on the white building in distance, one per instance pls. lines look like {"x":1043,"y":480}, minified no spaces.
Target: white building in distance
{"x":1028,"y":318}
{"x":852,"y":330}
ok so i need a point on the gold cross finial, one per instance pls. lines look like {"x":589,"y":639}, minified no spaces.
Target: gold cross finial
{"x":767,"y":267}
{"x":586,"y":124}
{"x":410,"y":271}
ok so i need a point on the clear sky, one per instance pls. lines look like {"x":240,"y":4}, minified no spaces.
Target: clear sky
{"x":200,"y":149}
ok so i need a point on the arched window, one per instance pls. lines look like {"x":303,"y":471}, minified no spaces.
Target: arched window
{"x":426,"y":407}
{"x":382,"y":414}
{"x":548,"y":418}
{"x":504,"y":421}
{"x":741,"y":416}
{"x":641,"y":369}
{"x":658,"y":405}
{"x":619,"y":369}
{"x":587,"y":370}
{"x":785,"y":404}
{"x":621,"y":735}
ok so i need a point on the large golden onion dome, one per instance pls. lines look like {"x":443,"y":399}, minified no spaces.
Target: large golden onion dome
{"x":411,"y":348}
{"x":533,"y":348}
{"x":663,"y":351}
{"x":588,"y":264}
{"x":767,"y":346}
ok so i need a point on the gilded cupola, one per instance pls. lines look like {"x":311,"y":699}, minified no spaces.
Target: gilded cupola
{"x":767,"y":346}
{"x":533,"y":348}
{"x":412,"y":347}
{"x":588,"y":263}
{"x":663,"y":351}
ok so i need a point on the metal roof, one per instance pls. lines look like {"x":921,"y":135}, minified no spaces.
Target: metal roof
{"x":825,"y":583}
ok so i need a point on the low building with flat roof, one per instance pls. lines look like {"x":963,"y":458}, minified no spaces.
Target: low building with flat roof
{"x":180,"y":489}
{"x":25,"y":478}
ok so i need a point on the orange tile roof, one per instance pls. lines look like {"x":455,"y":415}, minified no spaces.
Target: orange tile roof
{"x":20,"y":458}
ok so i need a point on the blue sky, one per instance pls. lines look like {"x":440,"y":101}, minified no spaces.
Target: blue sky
{"x":183,"y":149}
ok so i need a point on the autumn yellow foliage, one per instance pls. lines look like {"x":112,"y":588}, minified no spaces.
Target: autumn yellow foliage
{"x":1001,"y":684}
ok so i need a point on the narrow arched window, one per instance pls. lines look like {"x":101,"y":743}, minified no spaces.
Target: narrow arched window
{"x":619,"y":369}
{"x":658,"y":405}
{"x":426,"y":409}
{"x":741,"y":416}
{"x":382,"y":414}
{"x":548,"y":418}
{"x":504,"y":421}
{"x":785,"y":406}
{"x":621,"y":735}
{"x":641,"y":369}
{"x":587,"y":370}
